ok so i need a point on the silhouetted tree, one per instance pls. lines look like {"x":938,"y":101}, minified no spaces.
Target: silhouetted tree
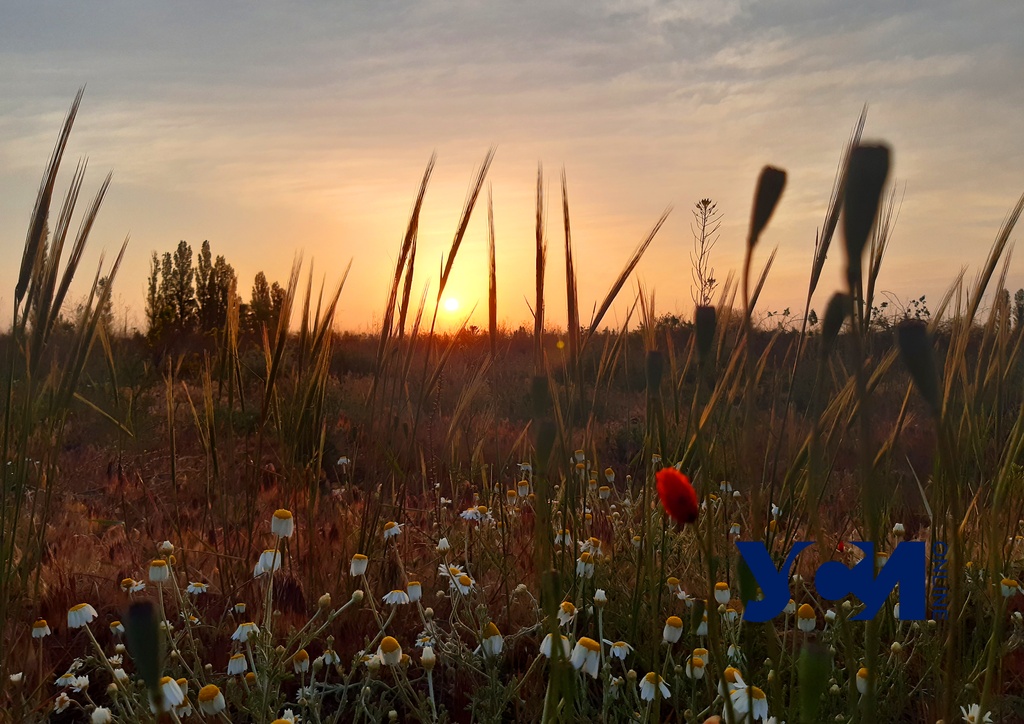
{"x":182,"y":288}
{"x":276,"y":302}
{"x":261,"y":303}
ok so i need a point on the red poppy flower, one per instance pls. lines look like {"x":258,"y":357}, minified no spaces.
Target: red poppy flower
{"x":677,"y":495}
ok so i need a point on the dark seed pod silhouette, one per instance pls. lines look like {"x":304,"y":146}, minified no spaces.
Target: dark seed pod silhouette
{"x":918,"y":355}
{"x":655,"y":368}
{"x":839,"y":308}
{"x":143,"y":636}
{"x":769,"y":189}
{"x":869,"y":168}
{"x":705,"y":320}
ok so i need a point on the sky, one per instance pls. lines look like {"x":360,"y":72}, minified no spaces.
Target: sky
{"x":285,"y":128}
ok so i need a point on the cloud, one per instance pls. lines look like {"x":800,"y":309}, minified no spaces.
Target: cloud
{"x":275,"y":126}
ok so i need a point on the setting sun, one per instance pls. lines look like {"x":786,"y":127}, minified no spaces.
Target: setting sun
{"x":451,"y":304}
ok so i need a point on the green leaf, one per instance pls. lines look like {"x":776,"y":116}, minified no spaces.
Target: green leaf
{"x":813,"y":678}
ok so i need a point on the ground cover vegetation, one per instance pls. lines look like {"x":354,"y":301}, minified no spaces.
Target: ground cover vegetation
{"x":247,"y":516}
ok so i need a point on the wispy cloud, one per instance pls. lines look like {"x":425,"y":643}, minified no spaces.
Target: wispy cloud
{"x":267,"y":127}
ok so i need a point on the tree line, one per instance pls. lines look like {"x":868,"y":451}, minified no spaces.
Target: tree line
{"x":188,"y":295}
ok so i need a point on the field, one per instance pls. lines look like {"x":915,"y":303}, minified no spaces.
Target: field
{"x":285,"y":522}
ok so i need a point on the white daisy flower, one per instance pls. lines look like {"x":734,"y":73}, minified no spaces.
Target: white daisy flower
{"x":673,"y":630}
{"x":862,"y":680}
{"x":973,"y":715}
{"x":244,"y":632}
{"x":587,"y":656}
{"x":730,"y":681}
{"x":211,"y":700}
{"x":492,"y":643}
{"x":282,"y":524}
{"x":159,"y":571}
{"x":651,"y":683}
{"x":300,"y":661}
{"x":806,"y":620}
{"x":396,"y":597}
{"x":40,"y":629}
{"x":585,"y":565}
{"x":389,"y":651}
{"x":619,"y":649}
{"x":172,"y":694}
{"x":463,"y":584}
{"x":391,"y":529}
{"x":270,"y":561}
{"x":695,"y":668}
{"x":566,"y":613}
{"x":750,"y":703}
{"x":358,"y":565}
{"x":81,"y":615}
{"x":702,"y":628}
{"x":546,"y":644}
{"x":722,"y":593}
{"x":1009,"y":587}
{"x":237,"y":665}
{"x":593,"y":546}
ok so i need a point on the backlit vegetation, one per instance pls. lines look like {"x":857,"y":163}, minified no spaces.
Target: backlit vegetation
{"x":273,"y":521}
